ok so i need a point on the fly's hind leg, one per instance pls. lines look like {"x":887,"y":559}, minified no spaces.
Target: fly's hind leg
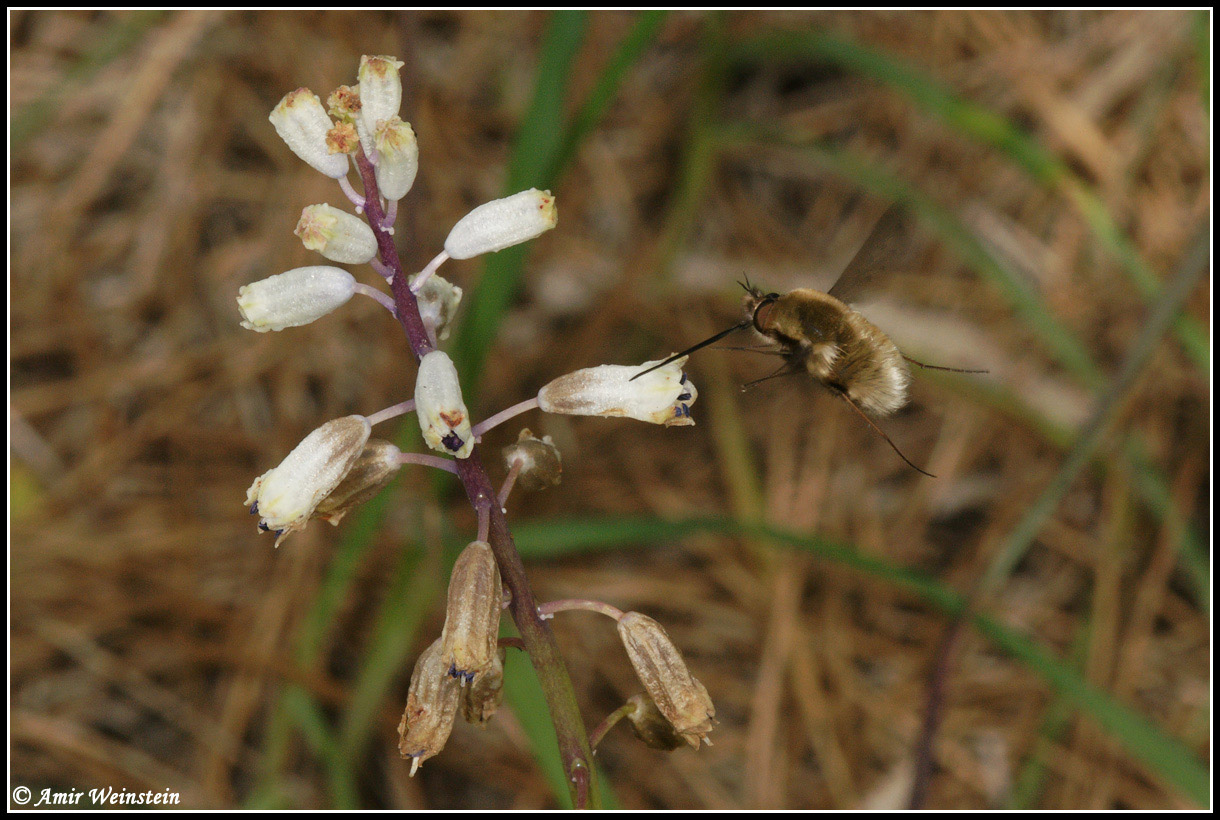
{"x":938,"y":367}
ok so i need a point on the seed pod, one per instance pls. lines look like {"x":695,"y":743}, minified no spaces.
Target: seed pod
{"x":302,"y":124}
{"x":541,"y":466}
{"x":679,"y":696}
{"x":336,"y":234}
{"x":663,"y":396}
{"x":432,"y":705}
{"x":438,"y":404}
{"x":650,"y":726}
{"x":501,"y":223}
{"x":472,"y":615}
{"x":286,"y":496}
{"x":483,"y":696}
{"x":294,"y":298}
{"x":398,"y":157}
{"x":371,"y":472}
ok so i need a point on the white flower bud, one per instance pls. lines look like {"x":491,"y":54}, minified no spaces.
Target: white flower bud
{"x":294,"y":298}
{"x":663,"y":396}
{"x":380,"y":90}
{"x":438,"y":404}
{"x":398,"y":157}
{"x":336,"y":234}
{"x":286,"y":496}
{"x":501,"y":223}
{"x":301,"y":122}
{"x":438,"y":303}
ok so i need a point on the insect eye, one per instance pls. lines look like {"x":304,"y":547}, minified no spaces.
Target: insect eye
{"x":763,"y":311}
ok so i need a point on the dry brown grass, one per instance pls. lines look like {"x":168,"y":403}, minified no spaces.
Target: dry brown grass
{"x":151,"y":624}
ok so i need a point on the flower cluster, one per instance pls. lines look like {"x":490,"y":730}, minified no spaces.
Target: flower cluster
{"x":339,"y":465}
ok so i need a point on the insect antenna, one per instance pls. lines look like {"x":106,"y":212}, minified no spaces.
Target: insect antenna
{"x":739,"y":326}
{"x":938,"y":367}
{"x":871,"y":423}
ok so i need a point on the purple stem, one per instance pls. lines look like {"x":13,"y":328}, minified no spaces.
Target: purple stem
{"x":536,"y":634}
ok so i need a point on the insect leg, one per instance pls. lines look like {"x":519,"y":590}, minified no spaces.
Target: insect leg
{"x":785,"y":369}
{"x":843,"y":393}
{"x":938,"y":367}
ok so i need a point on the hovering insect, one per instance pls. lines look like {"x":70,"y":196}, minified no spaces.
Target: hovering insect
{"x":819,"y":334}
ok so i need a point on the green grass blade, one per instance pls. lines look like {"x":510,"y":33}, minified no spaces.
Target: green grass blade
{"x":1165,"y":756}
{"x":642,"y":34}
{"x":986,"y":127}
{"x":1094,"y":430}
{"x":539,"y":141}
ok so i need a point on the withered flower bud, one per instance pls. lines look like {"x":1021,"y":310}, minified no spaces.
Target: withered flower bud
{"x":432,"y":704}
{"x":371,"y":472}
{"x":472,"y":615}
{"x":540,"y":463}
{"x":651,"y":726}
{"x":438,"y":303}
{"x":679,"y":696}
{"x":482,"y":697}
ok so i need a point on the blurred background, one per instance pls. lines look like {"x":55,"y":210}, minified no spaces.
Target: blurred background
{"x":1029,"y":629}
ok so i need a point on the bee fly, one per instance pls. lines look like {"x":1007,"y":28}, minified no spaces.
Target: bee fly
{"x":818,"y":334}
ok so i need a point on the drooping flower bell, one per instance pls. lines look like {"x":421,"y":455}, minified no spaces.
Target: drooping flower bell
{"x":398,"y":157}
{"x":380,"y":92}
{"x":438,"y":303}
{"x":336,"y":234}
{"x":375,"y":468}
{"x":286,"y":496}
{"x":663,"y":396}
{"x":502,"y":223}
{"x":678,"y":695}
{"x":302,"y":123}
{"x":472,"y":614}
{"x":432,"y":706}
{"x":294,"y":298}
{"x":438,"y":404}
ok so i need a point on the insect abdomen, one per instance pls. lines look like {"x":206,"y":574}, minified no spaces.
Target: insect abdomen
{"x":871,"y":369}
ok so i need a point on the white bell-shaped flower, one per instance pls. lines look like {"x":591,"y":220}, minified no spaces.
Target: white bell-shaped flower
{"x":663,"y":396}
{"x":398,"y":157}
{"x":336,"y":234}
{"x":438,"y":404}
{"x":286,"y":496}
{"x":294,"y":298}
{"x":301,"y":122}
{"x":501,"y":223}
{"x":380,"y":92}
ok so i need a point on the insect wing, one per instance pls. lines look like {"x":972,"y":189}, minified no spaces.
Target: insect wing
{"x":885,"y":251}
